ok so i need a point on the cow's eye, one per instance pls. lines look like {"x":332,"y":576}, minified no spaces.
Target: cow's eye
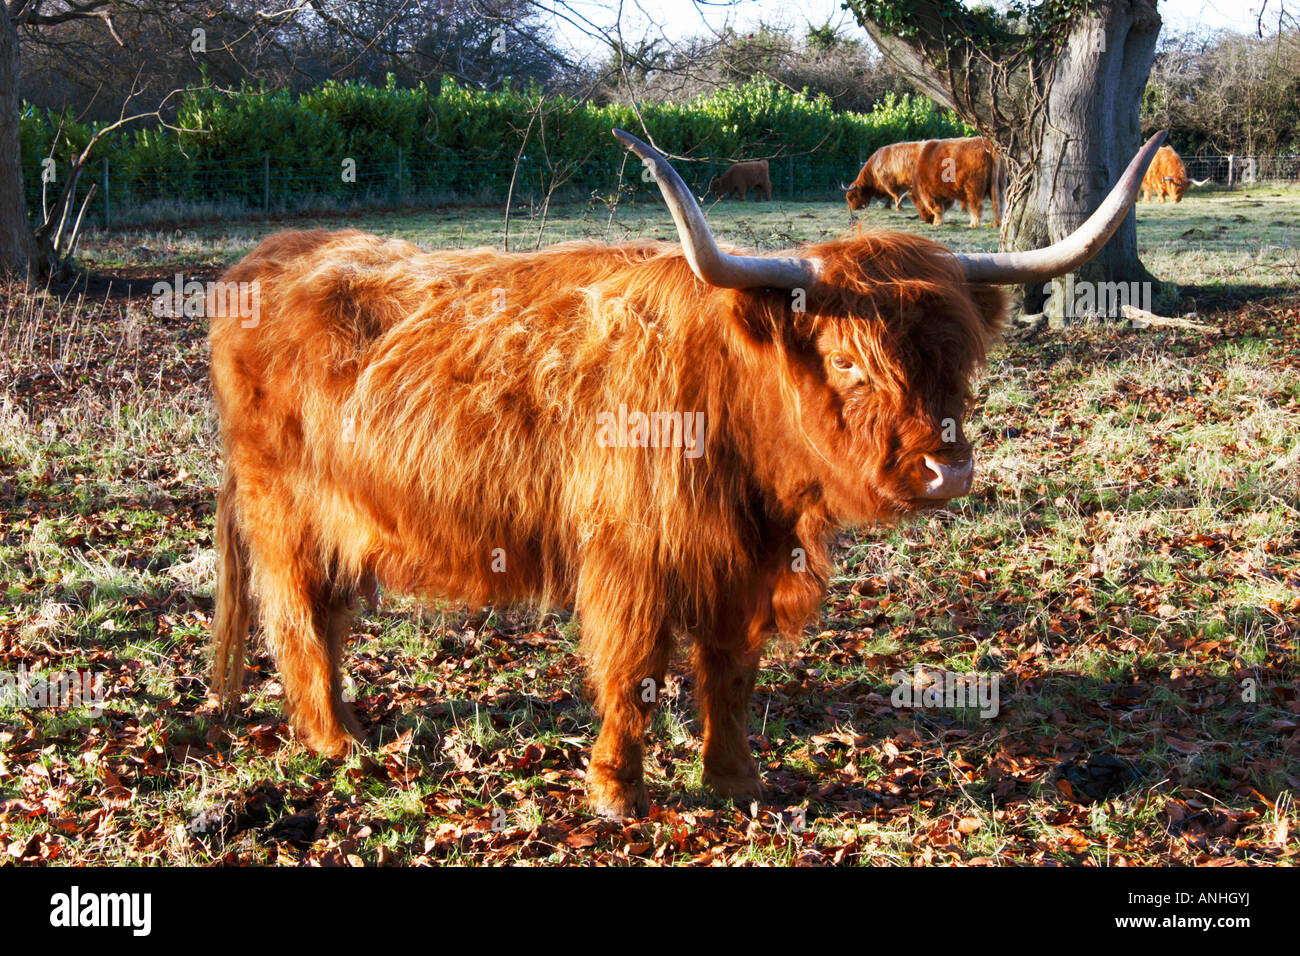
{"x":842,"y":362}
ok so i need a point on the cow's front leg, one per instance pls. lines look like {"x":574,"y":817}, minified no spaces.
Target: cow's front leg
{"x":931,"y":211}
{"x":725,"y":677}
{"x":627,"y":688}
{"x":628,"y":649}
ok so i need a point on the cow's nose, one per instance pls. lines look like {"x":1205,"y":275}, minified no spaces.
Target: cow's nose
{"x":946,"y":481}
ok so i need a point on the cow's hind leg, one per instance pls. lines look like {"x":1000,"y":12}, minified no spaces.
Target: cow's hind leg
{"x":306,"y":619}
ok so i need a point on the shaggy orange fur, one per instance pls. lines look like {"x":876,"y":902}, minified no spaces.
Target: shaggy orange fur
{"x":958,"y":170}
{"x":1165,"y":177}
{"x":889,"y":171}
{"x":429,"y":421}
{"x":741,"y":178}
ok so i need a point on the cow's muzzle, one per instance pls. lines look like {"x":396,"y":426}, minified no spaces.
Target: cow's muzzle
{"x":944,"y":481}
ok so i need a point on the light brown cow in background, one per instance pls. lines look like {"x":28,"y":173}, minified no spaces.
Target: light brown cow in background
{"x":887,"y":173}
{"x":965,"y":170}
{"x":1167,"y":176}
{"x":741,"y":178}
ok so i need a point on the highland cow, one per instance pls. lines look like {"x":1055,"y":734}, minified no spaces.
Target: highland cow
{"x":1167,"y":176}
{"x":472,"y":425}
{"x":887,"y":173}
{"x":740,"y":179}
{"x":966,"y":170}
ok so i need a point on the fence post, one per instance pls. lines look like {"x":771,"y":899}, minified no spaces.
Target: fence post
{"x":107,"y":214}
{"x":266,"y":182}
{"x":1231,"y":160}
{"x":397,"y":177}
{"x":790,"y":174}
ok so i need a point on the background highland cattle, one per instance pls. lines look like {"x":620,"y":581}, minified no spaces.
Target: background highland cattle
{"x":1167,"y":177}
{"x":740,"y":179}
{"x":965,"y":170}
{"x":888,"y":173}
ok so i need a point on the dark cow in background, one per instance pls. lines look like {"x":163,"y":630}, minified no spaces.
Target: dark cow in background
{"x":439,"y":423}
{"x":741,"y":178}
{"x":887,"y":173}
{"x":966,"y":170}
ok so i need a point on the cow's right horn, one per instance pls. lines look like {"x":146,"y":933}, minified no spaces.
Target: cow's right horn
{"x":1013,"y":268}
{"x":707,"y":261}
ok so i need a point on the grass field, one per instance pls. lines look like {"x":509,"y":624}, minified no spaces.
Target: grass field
{"x":1128,"y":565}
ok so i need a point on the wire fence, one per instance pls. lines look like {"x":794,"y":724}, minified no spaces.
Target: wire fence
{"x":1232,"y":171}
{"x":266,"y":184}
{"x":253,"y":185}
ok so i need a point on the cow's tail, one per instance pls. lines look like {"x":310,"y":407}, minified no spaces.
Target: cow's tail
{"x":232,"y":612}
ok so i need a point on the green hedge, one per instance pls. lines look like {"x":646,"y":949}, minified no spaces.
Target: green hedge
{"x":248,"y":146}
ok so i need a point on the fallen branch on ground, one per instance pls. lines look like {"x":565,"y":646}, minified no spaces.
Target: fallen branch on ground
{"x":1142,"y":319}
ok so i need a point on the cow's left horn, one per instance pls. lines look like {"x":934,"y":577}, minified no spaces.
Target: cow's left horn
{"x":1013,"y":268}
{"x":1201,"y":182}
{"x":707,"y":261}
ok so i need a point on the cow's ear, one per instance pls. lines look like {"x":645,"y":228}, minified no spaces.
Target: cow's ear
{"x":993,"y":303}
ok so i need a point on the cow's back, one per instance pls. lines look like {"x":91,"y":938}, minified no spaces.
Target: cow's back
{"x":947,"y":166}
{"x":742,"y":177}
{"x":434,"y":414}
{"x":894,"y":166}
{"x":1166,"y":176}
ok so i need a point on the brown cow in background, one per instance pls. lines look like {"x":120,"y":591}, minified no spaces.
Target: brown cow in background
{"x":741,"y":178}
{"x":965,"y":170}
{"x":887,"y":173}
{"x":665,"y":437}
{"x":1167,"y":176}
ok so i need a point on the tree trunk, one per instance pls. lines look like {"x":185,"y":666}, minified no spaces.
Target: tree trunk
{"x":17,"y":245}
{"x":1068,"y":123}
{"x":1079,"y":145}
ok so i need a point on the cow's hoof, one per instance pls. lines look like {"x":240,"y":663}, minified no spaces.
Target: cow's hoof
{"x":740,"y":787}
{"x":332,"y":745}
{"x":339,"y":740}
{"x":617,"y":799}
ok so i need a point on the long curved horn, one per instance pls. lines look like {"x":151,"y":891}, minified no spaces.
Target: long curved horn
{"x":1201,"y":182}
{"x":707,"y":261}
{"x":1015,"y":268}
{"x":844,"y":188}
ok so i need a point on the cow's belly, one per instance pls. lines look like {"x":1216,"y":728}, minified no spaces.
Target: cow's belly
{"x":462,"y":543}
